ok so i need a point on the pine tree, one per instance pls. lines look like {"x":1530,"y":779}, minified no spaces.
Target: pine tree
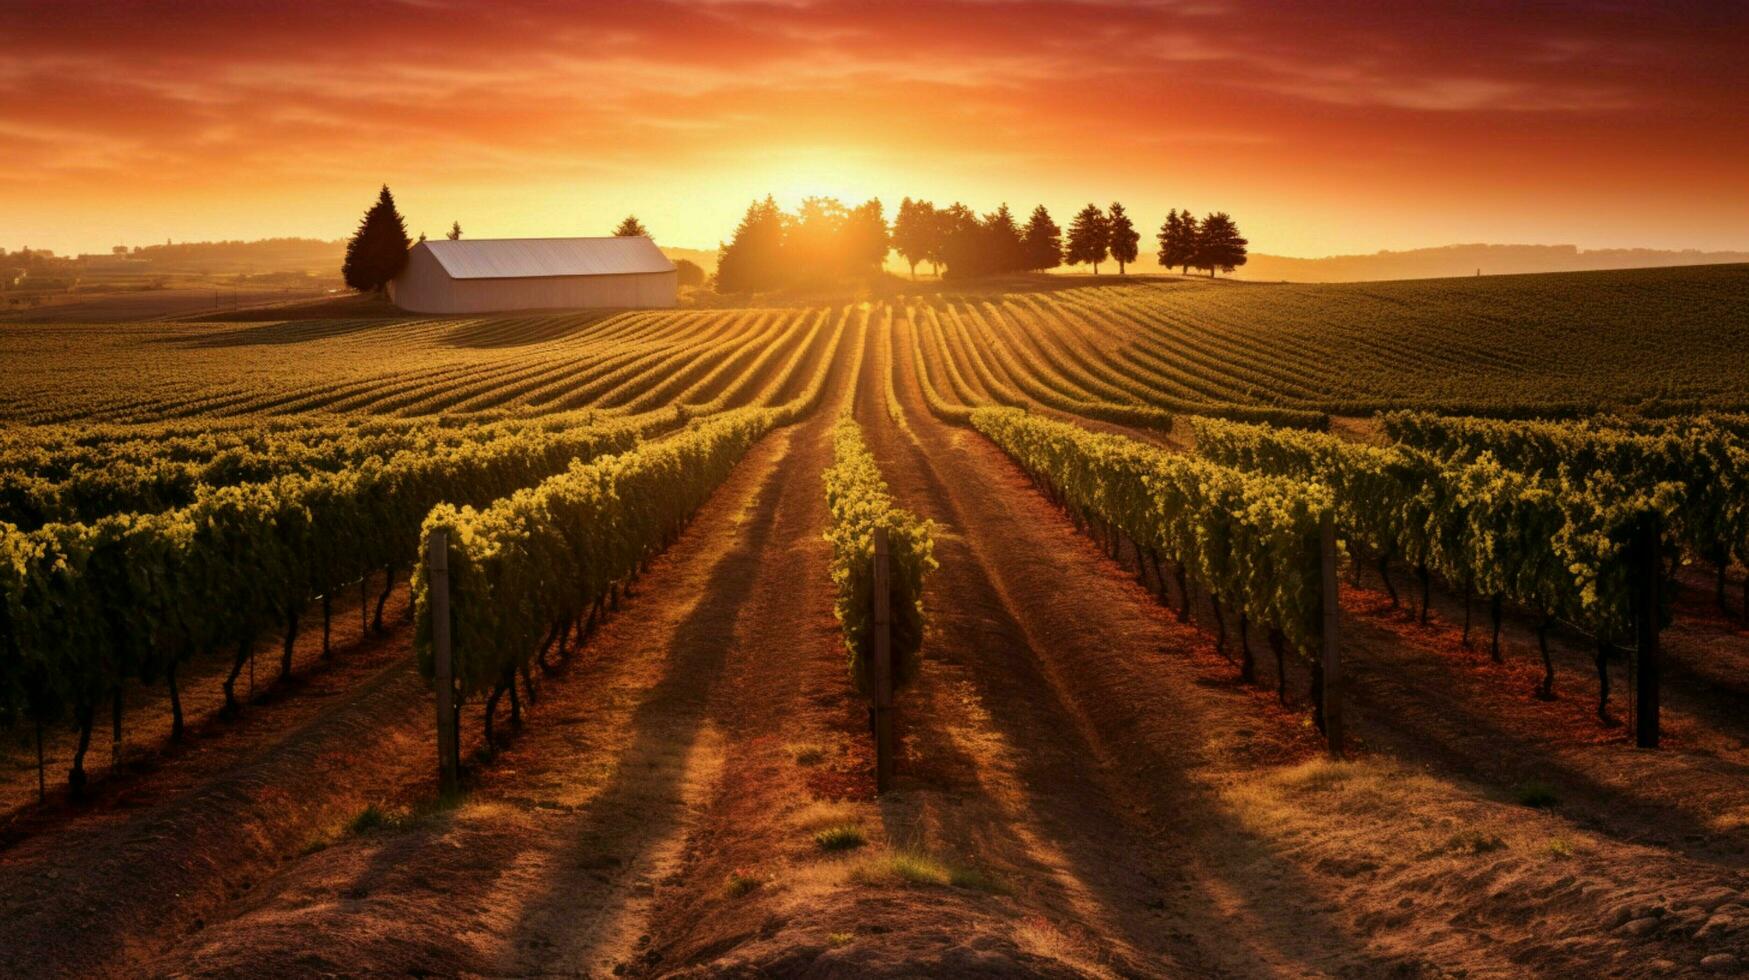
{"x":1122,"y":236}
{"x":378,"y":250}
{"x":1219,"y":245}
{"x":1003,"y":249}
{"x":1178,"y":240}
{"x":455,"y":231}
{"x":631,"y":227}
{"x":1088,"y":238}
{"x":1042,"y":241}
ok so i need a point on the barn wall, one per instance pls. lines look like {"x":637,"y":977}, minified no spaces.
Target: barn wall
{"x":423,"y":287}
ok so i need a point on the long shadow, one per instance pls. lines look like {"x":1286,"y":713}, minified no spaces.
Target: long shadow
{"x":143,"y":894}
{"x":279,"y":333}
{"x":488,"y":334}
{"x":1018,"y":677}
{"x":673,"y":711}
{"x":666,"y":723}
{"x":1501,"y":759}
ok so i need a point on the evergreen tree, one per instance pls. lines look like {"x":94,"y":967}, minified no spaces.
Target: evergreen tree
{"x":1122,"y":236}
{"x":1219,"y":245}
{"x":1088,"y":238}
{"x":631,"y":227}
{"x":455,"y":231}
{"x":754,"y":258}
{"x":1042,"y":241}
{"x":1004,"y":250}
{"x":1178,"y":240}
{"x":916,"y":233}
{"x":378,"y":250}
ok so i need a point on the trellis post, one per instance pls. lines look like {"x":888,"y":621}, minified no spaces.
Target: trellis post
{"x":1331,"y":654}
{"x":1648,"y":610}
{"x":883,"y":664}
{"x":448,"y":752}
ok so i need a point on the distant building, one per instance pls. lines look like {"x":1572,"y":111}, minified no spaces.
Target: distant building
{"x":489,"y":275}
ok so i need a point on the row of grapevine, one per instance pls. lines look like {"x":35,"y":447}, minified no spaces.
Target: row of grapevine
{"x":858,"y":502}
{"x":1558,"y":546}
{"x":1251,"y":542}
{"x":1707,"y":462}
{"x":544,"y":557}
{"x":532,"y":566}
{"x":1171,"y":381}
{"x":85,"y":608}
{"x":130,"y":480}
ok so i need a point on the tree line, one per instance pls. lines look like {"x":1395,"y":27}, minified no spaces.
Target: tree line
{"x":826,"y":241}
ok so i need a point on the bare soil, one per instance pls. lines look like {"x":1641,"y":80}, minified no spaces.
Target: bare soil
{"x":1085,"y":788}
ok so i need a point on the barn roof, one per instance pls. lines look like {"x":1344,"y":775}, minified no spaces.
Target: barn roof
{"x":524,"y":258}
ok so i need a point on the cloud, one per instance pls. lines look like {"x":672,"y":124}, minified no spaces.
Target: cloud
{"x":259,"y":98}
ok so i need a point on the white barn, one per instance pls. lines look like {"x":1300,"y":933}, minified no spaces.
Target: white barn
{"x":491,"y":275}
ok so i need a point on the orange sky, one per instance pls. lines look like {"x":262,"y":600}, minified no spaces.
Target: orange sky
{"x":1323,"y":127}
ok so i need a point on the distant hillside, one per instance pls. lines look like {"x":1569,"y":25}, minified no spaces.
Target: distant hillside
{"x":1466,"y":260}
{"x":705,"y":259}
{"x":268,"y":255}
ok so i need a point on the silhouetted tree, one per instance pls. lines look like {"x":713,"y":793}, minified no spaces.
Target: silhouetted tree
{"x":753,"y":258}
{"x":1178,"y":240}
{"x":866,"y":241}
{"x":631,"y":227}
{"x":1004,"y":250}
{"x":378,"y":250}
{"x":688,"y":273}
{"x":1219,"y":245}
{"x":1042,"y":241}
{"x":1088,"y":238}
{"x":1121,"y":236}
{"x":962,"y":242}
{"x":455,"y":231}
{"x":916,"y":233}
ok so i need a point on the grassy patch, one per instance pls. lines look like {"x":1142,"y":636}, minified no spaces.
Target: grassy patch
{"x":842,"y":837}
{"x":739,"y":883}
{"x":1474,"y":842}
{"x":1321,"y":774}
{"x":840,"y":939}
{"x":374,"y":818}
{"x":917,"y":868}
{"x":1561,"y":847}
{"x":807,"y":753}
{"x":1536,"y":795}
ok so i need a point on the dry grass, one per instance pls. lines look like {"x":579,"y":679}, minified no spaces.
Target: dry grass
{"x":913,"y":867}
{"x":806,"y":753}
{"x":739,"y":883}
{"x":842,"y":837}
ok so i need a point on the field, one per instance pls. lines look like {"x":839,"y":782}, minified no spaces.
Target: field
{"x":1105,"y":502}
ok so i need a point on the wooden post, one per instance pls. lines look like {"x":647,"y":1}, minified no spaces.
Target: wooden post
{"x":1331,"y":654}
{"x":448,"y":753}
{"x":1648,"y":611}
{"x":883,"y":664}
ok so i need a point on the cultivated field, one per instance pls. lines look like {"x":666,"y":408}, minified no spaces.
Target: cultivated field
{"x":1105,"y":504}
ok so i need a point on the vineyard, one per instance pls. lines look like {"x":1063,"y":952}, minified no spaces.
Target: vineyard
{"x":1214,"y":628}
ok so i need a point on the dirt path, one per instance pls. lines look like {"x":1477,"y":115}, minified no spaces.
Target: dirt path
{"x":1084,"y":787}
{"x":1362,"y":868}
{"x":86,"y":889}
